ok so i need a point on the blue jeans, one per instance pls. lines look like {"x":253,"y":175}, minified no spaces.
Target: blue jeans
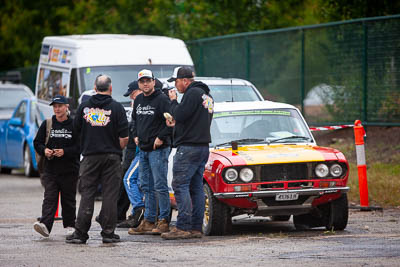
{"x":135,"y":195}
{"x":153,"y":170}
{"x":189,"y":162}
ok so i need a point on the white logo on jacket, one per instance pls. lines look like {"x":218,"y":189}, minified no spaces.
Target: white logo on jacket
{"x":147,"y":110}
{"x":60,"y":133}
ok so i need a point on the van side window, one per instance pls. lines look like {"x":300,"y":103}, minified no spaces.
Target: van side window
{"x":52,"y":83}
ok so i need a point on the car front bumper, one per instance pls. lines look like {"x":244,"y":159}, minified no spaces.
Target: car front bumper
{"x":266,"y":208}
{"x":270,"y":193}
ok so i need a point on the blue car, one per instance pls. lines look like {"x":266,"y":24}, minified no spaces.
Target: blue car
{"x":17,"y":135}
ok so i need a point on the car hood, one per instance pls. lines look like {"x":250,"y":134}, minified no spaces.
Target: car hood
{"x":276,"y":154}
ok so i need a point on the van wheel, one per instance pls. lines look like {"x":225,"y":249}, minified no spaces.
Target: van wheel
{"x":217,"y":218}
{"x":29,"y":171}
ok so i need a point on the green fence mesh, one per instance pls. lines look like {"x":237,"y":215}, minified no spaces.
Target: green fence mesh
{"x":335,"y":73}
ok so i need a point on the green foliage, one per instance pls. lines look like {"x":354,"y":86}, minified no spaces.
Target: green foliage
{"x":24,"y":23}
{"x":337,"y":10}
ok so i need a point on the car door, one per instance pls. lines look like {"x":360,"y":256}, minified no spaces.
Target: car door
{"x":15,"y":137}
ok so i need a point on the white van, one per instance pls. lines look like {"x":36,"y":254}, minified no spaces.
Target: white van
{"x":69,"y":65}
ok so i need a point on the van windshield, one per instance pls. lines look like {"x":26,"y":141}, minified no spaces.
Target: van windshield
{"x":121,"y":76}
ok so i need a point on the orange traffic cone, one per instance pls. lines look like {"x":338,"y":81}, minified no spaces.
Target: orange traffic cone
{"x":56,"y":217}
{"x":359,"y":134}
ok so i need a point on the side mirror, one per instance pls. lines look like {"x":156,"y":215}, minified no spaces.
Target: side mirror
{"x":15,"y":122}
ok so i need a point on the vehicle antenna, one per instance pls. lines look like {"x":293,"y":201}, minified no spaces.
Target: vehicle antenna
{"x":232,"y":90}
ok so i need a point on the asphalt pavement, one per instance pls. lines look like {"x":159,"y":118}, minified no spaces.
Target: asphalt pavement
{"x":370,"y":239}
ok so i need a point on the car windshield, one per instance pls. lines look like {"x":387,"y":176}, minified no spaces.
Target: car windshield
{"x":37,"y":114}
{"x":121,"y":76}
{"x":10,"y":97}
{"x":259,"y":126}
{"x":234,"y":93}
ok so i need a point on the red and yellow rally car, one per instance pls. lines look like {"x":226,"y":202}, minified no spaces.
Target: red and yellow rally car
{"x":264,"y":161}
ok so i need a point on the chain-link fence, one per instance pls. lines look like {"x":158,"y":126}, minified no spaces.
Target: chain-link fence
{"x":335,"y":73}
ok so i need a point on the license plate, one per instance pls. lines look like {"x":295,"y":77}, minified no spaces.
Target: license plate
{"x":286,"y":196}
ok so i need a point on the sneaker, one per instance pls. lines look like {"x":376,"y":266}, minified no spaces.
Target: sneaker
{"x":41,"y":229}
{"x":128,"y":223}
{"x":162,"y":227}
{"x":196,"y":234}
{"x":69,"y":230}
{"x":75,"y":238}
{"x":176,"y":233}
{"x":145,"y":227}
{"x":111,"y":238}
{"x":138,"y":217}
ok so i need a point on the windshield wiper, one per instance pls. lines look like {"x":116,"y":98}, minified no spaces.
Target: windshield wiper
{"x":242,"y":141}
{"x":289,"y":137}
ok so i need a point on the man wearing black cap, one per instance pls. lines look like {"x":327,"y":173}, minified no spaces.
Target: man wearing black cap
{"x":191,"y":120}
{"x":103,"y":127}
{"x":153,"y":138}
{"x":61,"y":165}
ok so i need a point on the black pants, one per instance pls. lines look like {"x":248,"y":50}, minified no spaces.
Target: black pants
{"x":123,"y":200}
{"x":55,"y":184}
{"x":104,"y":169}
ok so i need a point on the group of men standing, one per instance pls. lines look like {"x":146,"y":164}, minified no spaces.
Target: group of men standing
{"x":102,"y":127}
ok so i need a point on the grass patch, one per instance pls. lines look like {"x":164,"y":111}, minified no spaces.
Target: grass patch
{"x":330,"y":232}
{"x":383,"y":184}
{"x":278,"y":235}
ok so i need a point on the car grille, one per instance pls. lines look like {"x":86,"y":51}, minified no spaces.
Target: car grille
{"x":284,"y":172}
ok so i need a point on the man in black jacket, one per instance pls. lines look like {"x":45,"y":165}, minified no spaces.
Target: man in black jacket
{"x":103,"y":128}
{"x":153,"y":138}
{"x":191,"y":121}
{"x":61,"y":167}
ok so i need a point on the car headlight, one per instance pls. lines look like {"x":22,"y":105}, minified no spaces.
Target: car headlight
{"x":246,"y":174}
{"x":321,"y":170}
{"x":336,"y":170}
{"x":231,"y":175}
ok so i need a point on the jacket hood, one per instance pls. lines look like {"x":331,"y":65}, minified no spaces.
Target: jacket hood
{"x":200,"y":85}
{"x":100,"y":100}
{"x":66,"y":122}
{"x":154,"y":94}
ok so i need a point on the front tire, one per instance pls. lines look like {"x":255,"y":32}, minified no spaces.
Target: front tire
{"x":29,"y":171}
{"x":339,"y":214}
{"x":217,"y":218}
{"x":333,"y":215}
{"x":5,"y":170}
{"x":307,"y":221}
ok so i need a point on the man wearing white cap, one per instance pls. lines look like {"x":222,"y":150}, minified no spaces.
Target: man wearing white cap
{"x":154,"y":139}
